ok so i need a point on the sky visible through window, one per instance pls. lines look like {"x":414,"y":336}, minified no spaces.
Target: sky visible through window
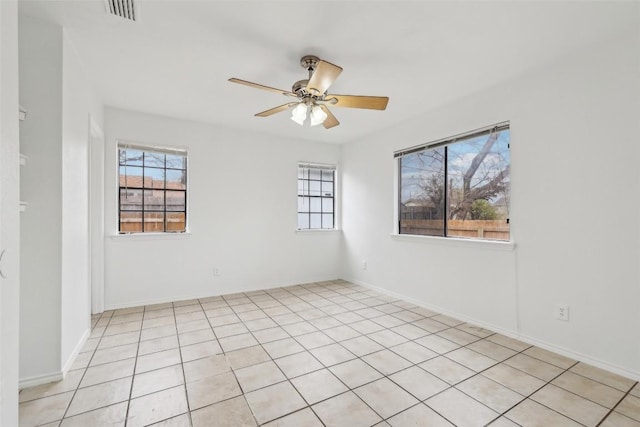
{"x":417,"y":166}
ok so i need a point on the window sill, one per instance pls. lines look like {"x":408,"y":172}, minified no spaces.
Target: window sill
{"x":453,"y":241}
{"x":320,"y":230}
{"x":150,"y":236}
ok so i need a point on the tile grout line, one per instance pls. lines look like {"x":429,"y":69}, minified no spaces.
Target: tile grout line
{"x":184,"y":377}
{"x":230,"y":367}
{"x":617,"y":404}
{"x":75,"y":391}
{"x":133,"y":374}
{"x":333,"y":309}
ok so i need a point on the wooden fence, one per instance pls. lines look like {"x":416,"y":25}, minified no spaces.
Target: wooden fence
{"x":131,"y":222}
{"x":483,"y":229}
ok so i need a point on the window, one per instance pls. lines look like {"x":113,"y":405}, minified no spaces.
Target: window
{"x":316,"y":196}
{"x":457,"y":187}
{"x":152,"y":190}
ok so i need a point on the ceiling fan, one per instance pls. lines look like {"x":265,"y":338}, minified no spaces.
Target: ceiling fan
{"x":311,"y":95}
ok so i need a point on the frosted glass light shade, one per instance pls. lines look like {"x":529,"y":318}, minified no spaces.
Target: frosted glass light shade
{"x":299,"y":114}
{"x":317,"y":115}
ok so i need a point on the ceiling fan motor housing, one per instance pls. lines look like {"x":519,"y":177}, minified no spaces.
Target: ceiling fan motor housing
{"x":300,"y":88}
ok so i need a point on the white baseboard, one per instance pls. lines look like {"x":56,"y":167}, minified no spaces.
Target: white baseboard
{"x":162,"y":300}
{"x":39,"y":379}
{"x":55,"y":376}
{"x":74,"y":354}
{"x":438,"y":309}
{"x":634,"y":375}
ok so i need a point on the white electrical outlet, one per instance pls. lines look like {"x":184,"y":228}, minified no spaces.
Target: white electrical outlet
{"x":216,"y":271}
{"x":364,"y":264}
{"x":562,"y":312}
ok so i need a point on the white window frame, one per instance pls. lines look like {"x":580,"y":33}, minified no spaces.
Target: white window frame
{"x":158,"y":149}
{"x":322,"y":167}
{"x":448,"y":239}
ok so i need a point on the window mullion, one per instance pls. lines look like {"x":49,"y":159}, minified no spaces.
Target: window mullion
{"x":143,"y":192}
{"x":149,"y":163}
{"x":446,"y":192}
{"x":164,"y":199}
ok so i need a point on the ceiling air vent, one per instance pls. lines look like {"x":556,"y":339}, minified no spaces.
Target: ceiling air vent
{"x":123,"y":8}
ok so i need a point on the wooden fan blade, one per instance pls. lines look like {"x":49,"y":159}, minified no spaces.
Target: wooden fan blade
{"x":324,"y":74}
{"x":263,"y":87}
{"x":271,"y":111}
{"x":331,"y":120}
{"x":354,"y":101}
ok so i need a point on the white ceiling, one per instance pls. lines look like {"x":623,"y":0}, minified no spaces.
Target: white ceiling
{"x":176,"y":59}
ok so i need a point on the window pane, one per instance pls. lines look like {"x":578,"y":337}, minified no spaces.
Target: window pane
{"x":327,"y":189}
{"x":155,"y":160}
{"x":176,"y":221}
{"x":316,"y":204}
{"x":130,"y":199}
{"x":130,"y":222}
{"x":314,"y":188}
{"x":153,"y":183}
{"x":327,"y":175}
{"x":422,"y":193}
{"x":130,"y":176}
{"x":153,"y":178}
{"x":463,"y":188}
{"x":327,"y":205}
{"x":315,"y":221}
{"x":130,"y":157}
{"x":176,"y":200}
{"x":478,"y":171}
{"x":176,"y":179}
{"x":316,"y":193}
{"x":303,"y":221}
{"x":154,"y":222}
{"x":153,"y":200}
{"x":314,"y":174}
{"x":175,"y":161}
{"x":303,"y":204}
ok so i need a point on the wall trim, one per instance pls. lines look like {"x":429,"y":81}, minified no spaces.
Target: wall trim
{"x":40,"y":379}
{"x":582,"y":357}
{"x":74,"y":354}
{"x":436,"y":308}
{"x":163,"y":300}
{"x":512,"y":334}
{"x":96,"y":262}
{"x":56,"y":376}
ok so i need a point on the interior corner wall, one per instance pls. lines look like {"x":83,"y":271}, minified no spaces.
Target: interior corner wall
{"x":242,"y":215}
{"x":9,"y":213}
{"x":574,"y":210}
{"x":79,"y":102}
{"x":40,"y":67}
{"x":54,"y":264}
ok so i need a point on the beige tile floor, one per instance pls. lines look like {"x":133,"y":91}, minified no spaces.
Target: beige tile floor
{"x":331,"y":354}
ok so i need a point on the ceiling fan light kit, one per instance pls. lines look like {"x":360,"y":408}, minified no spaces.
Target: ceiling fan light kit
{"x":317,"y":116}
{"x":299,"y":113}
{"x":312,"y":96}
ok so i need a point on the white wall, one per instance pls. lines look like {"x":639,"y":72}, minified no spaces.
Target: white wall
{"x":574,"y":210}
{"x":79,"y":102}
{"x":55,"y":303}
{"x":40,"y":53}
{"x":242,"y":216}
{"x":9,"y":215}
